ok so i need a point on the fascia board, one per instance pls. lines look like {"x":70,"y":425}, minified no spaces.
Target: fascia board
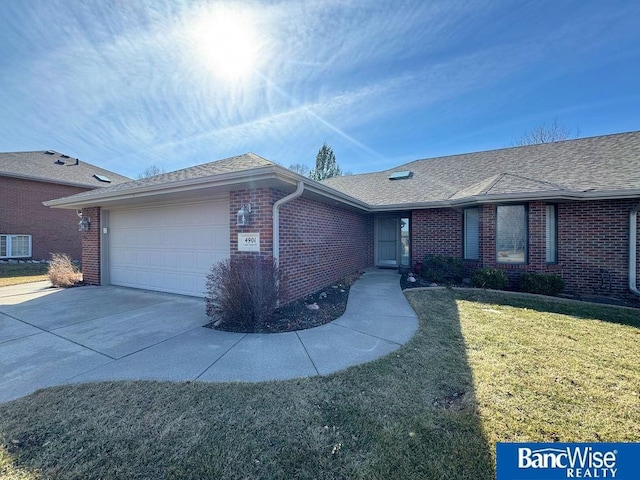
{"x":221,"y":180}
{"x":51,"y":181}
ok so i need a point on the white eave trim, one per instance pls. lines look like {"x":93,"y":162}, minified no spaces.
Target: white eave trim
{"x":100,"y":197}
{"x":559,"y":195}
{"x":88,"y":186}
{"x":103,"y":198}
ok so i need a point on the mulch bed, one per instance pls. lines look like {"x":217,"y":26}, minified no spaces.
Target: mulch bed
{"x":331,"y":302}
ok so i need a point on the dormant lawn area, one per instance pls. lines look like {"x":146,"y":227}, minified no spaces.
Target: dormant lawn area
{"x":17,"y":273}
{"x":483,"y":367}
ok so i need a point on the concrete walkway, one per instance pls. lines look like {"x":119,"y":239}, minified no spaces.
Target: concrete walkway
{"x":51,"y":337}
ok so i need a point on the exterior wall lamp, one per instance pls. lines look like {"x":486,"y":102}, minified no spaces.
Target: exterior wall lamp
{"x":85,"y":222}
{"x":242,"y":217}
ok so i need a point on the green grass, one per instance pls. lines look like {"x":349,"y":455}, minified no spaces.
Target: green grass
{"x":17,"y":273}
{"x":483,"y":367}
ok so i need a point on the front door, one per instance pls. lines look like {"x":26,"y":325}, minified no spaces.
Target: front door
{"x":392,"y":241}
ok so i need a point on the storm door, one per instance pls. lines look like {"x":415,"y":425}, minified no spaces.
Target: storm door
{"x":392,"y":241}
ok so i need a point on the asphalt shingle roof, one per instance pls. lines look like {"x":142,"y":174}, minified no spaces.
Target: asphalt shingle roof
{"x":238,"y":163}
{"x":55,"y":167}
{"x":606,"y":163}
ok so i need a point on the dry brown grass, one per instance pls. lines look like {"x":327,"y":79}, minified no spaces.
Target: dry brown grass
{"x":62,"y":272}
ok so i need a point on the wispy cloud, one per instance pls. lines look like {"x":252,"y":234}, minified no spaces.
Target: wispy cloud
{"x":123,"y":82}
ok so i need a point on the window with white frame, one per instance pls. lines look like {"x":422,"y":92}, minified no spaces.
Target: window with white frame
{"x":511,"y":234}
{"x":551,"y":234}
{"x":15,"y":246}
{"x":471,"y":234}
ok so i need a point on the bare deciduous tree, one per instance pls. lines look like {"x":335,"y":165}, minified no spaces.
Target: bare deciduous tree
{"x":151,"y":171}
{"x":300,"y":168}
{"x":545,"y":133}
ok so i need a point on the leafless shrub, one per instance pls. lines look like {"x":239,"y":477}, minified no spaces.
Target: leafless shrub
{"x":243,"y":292}
{"x":351,"y":279}
{"x":62,"y":271}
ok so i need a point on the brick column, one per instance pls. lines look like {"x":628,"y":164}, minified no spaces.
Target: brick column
{"x":91,"y":247}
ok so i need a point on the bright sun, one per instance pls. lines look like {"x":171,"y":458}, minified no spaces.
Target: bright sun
{"x":227,"y":42}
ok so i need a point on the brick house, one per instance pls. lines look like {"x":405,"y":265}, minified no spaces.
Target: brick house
{"x":566,"y":207}
{"x":28,"y":229}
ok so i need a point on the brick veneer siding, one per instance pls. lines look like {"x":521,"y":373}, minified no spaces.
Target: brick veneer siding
{"x":436,"y":231}
{"x":260,"y":219}
{"x":593,"y":245}
{"x":593,"y":242}
{"x":319,"y":244}
{"x":91,"y":247}
{"x":52,"y":230}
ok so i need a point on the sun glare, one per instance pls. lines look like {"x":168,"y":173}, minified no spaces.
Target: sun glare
{"x":227,"y":42}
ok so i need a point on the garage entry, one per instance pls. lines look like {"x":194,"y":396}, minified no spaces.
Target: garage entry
{"x":168,"y":248}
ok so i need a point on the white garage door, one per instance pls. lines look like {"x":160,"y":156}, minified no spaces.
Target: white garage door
{"x":169,"y":248}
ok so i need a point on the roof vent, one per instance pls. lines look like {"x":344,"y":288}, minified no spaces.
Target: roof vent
{"x":102,"y":178}
{"x":50,"y":152}
{"x":64,"y":156}
{"x":59,"y":162}
{"x":401,"y":175}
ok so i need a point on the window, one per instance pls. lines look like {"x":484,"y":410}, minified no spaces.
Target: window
{"x":15,"y":246}
{"x":471,"y":237}
{"x":405,"y":242}
{"x":551,"y":234}
{"x":511,"y":234}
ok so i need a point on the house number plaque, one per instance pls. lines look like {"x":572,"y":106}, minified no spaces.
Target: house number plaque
{"x":248,"y":242}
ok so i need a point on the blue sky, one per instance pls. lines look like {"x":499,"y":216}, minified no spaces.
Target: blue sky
{"x":126,"y":84}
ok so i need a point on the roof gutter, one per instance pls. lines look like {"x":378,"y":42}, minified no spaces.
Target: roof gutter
{"x":276,"y":219}
{"x":633,"y":243}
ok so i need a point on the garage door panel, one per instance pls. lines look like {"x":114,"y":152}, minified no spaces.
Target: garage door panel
{"x":170,"y":248}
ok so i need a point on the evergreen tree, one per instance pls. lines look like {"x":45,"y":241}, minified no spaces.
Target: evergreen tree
{"x":326,"y":166}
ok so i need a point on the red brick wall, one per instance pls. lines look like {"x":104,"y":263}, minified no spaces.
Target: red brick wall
{"x":436,"y":231}
{"x":260,"y":219}
{"x":320,"y":244}
{"x":91,"y":247}
{"x":593,"y":243}
{"x":53,"y":230}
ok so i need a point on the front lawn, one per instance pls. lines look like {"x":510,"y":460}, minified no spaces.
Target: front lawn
{"x":484,"y":366}
{"x":17,"y":273}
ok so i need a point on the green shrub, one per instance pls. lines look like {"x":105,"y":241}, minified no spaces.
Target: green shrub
{"x":492,"y":278}
{"x":541,"y":283}
{"x":442,"y":269}
{"x":243,"y":292}
{"x":62,"y":271}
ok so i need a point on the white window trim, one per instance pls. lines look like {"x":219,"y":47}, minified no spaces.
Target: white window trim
{"x":9,"y":241}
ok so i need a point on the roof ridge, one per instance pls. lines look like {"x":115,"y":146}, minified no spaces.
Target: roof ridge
{"x":531,"y":179}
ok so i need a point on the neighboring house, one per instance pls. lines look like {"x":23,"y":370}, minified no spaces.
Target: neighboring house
{"x":28,"y":229}
{"x":561,"y":207}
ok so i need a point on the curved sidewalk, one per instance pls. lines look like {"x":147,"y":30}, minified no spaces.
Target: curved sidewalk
{"x":51,"y":337}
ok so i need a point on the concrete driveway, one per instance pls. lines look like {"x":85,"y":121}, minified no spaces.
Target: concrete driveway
{"x":51,"y":337}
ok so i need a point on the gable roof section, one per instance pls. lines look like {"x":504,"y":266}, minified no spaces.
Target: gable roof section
{"x":243,"y":171}
{"x":589,"y":168}
{"x":505,"y":183}
{"x":54,"y":167}
{"x":572,"y":169}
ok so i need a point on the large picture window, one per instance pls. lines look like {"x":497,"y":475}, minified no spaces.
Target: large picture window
{"x":471,"y":243}
{"x":551,"y":234}
{"x":15,"y":246}
{"x":511,"y":234}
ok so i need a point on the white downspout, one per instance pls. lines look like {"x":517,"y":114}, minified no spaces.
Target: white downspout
{"x":276,"y":219}
{"x":633,"y":242}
